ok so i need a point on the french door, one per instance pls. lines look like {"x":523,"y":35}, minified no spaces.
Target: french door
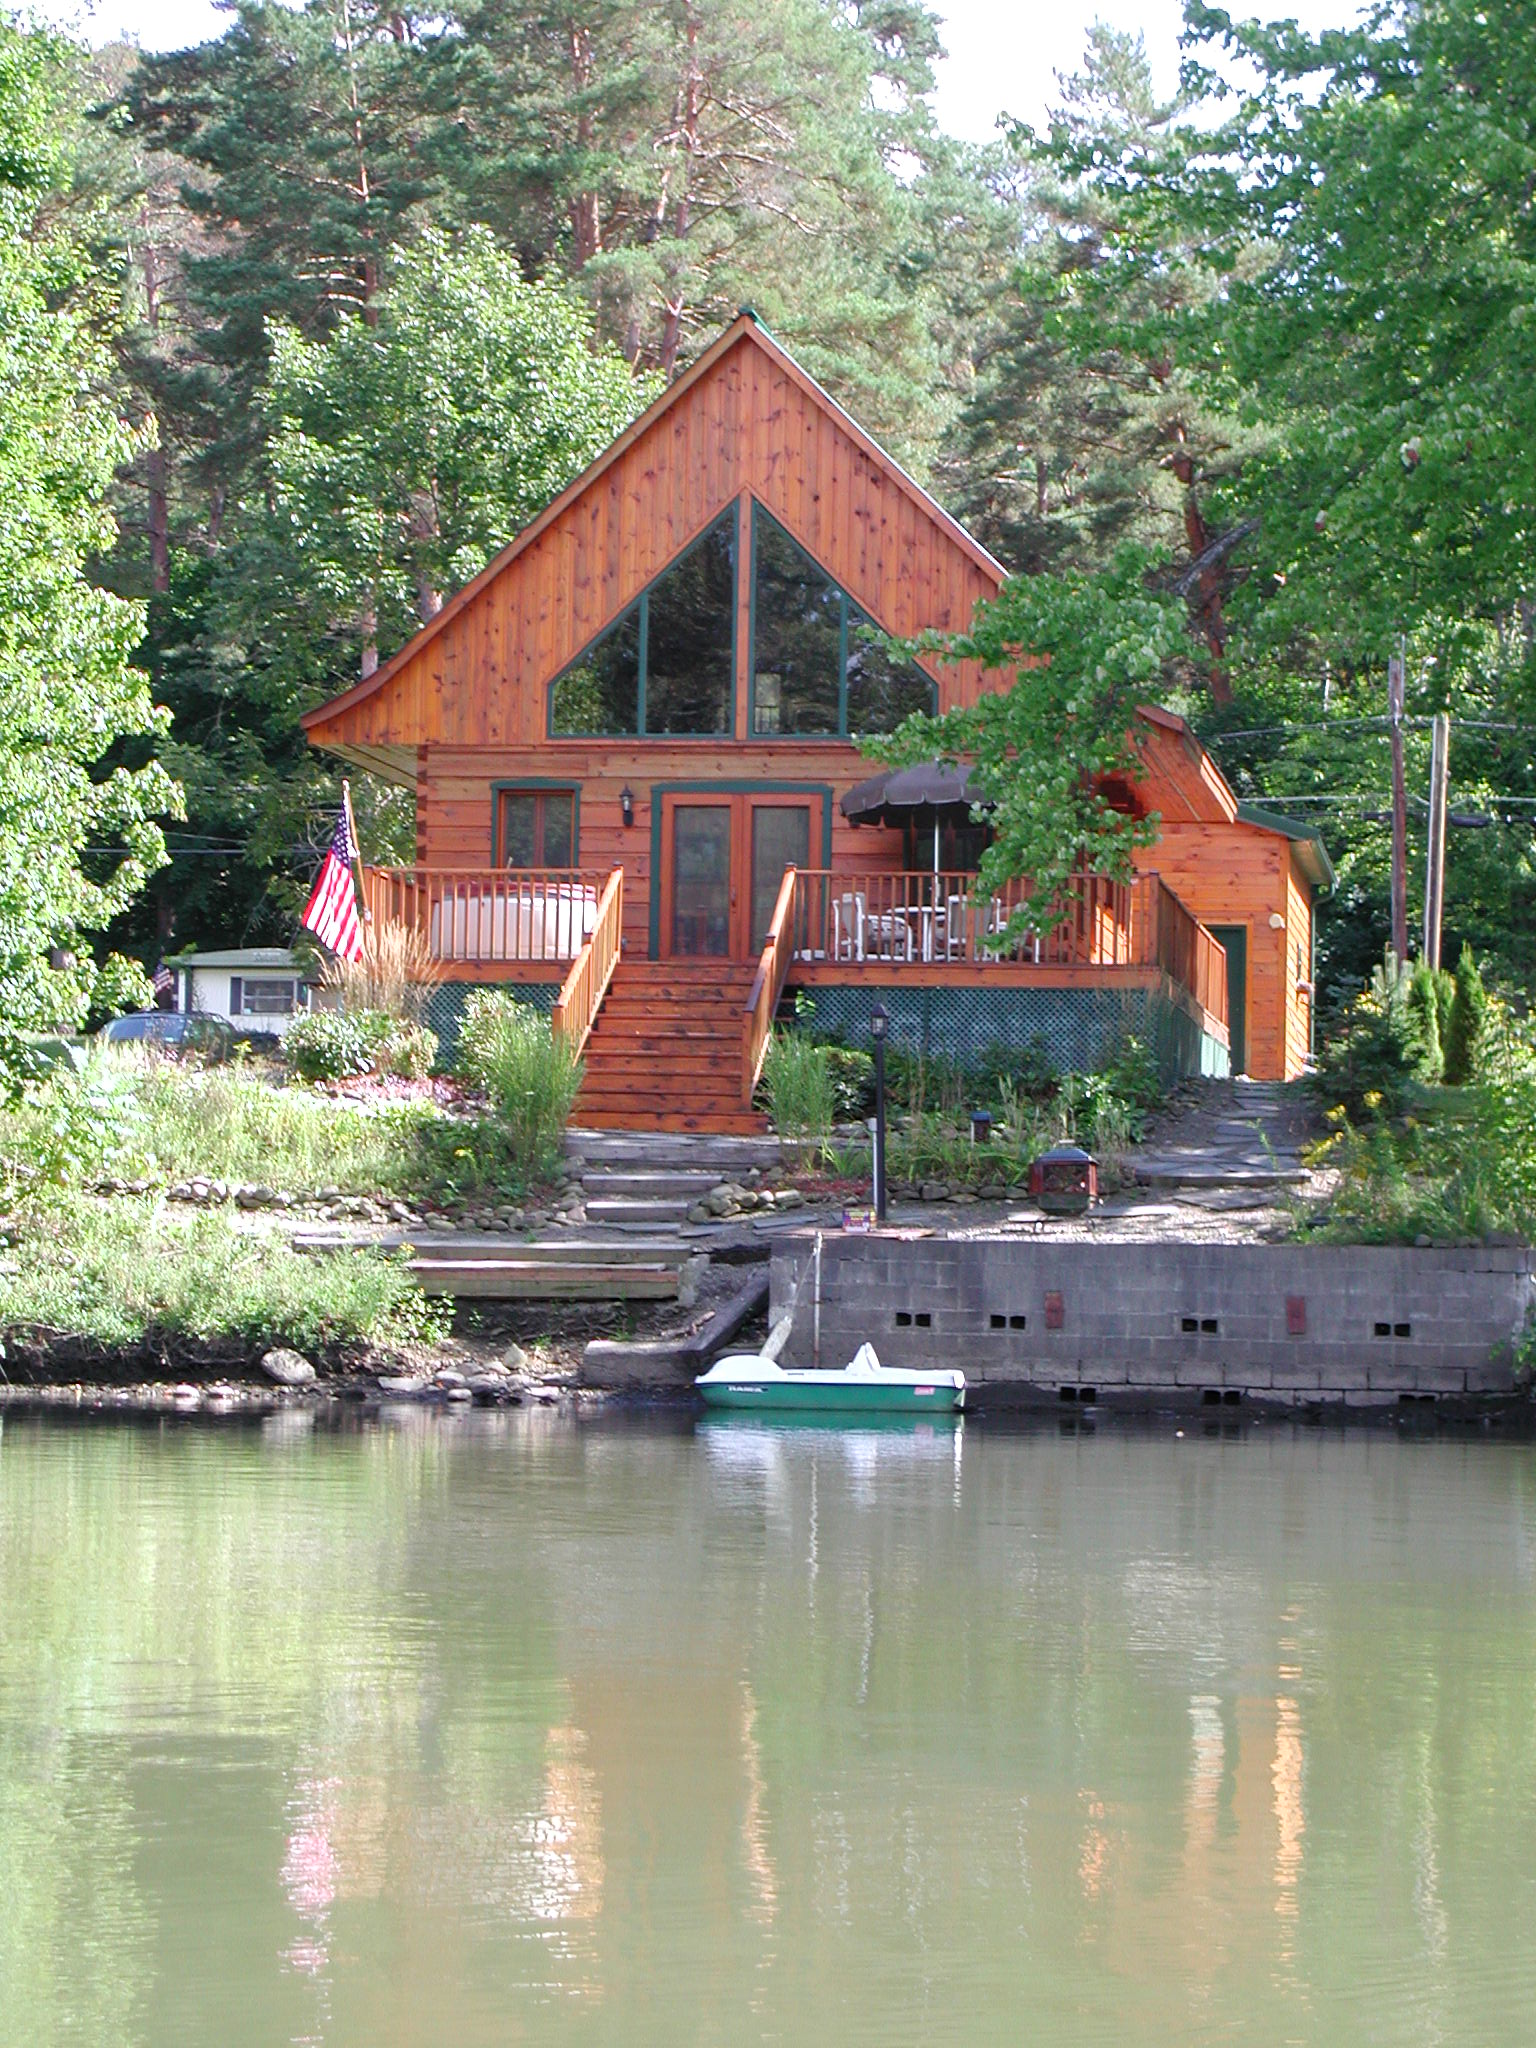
{"x":722,"y":862}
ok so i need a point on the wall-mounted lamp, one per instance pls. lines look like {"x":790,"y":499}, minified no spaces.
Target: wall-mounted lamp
{"x":1276,"y":921}
{"x":627,"y":804}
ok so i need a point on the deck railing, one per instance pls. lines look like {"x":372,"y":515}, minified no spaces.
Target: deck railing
{"x":917,"y":919}
{"x":768,"y":984}
{"x":489,"y":914}
{"x":908,"y":920}
{"x":1169,"y":936}
{"x":582,"y":991}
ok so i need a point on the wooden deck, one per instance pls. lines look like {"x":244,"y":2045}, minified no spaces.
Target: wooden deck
{"x":679,"y":1044}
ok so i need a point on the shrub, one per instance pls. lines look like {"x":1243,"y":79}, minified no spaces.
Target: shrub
{"x":853,"y":1082}
{"x":330,"y":1045}
{"x":799,"y":1087}
{"x":1424,"y":1002}
{"x":408,"y":1052}
{"x":529,"y":1077}
{"x":1464,"y":1040}
{"x":1377,"y":1048}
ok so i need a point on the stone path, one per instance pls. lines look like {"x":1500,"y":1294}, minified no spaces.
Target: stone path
{"x":1237,"y":1145}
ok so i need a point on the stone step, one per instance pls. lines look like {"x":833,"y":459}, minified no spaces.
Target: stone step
{"x":723,"y":1155}
{"x":676,"y":1183}
{"x":635,"y":1209}
{"x":461,"y":1248}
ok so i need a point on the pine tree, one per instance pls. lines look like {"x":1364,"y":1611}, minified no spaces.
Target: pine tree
{"x":1095,"y":421}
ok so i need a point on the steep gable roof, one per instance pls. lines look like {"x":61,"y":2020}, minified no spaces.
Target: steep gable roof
{"x":743,"y":332}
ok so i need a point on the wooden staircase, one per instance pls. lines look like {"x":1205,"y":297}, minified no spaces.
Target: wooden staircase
{"x":665,"y":1052}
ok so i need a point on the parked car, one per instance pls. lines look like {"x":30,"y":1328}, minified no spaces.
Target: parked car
{"x":168,"y":1027}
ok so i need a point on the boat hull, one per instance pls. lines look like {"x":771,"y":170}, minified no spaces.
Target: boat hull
{"x":833,"y":1394}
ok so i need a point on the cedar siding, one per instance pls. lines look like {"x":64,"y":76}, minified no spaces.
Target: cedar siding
{"x":463,"y":711}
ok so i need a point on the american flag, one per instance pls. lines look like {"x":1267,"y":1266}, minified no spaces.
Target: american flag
{"x":331,"y":912}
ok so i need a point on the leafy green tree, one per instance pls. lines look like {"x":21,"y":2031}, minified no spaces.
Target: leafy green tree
{"x":406,"y":450}
{"x":1087,"y":651}
{"x":1383,"y":176}
{"x":684,"y":158}
{"x":76,"y":843}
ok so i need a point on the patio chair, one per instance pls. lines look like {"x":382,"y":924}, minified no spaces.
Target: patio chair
{"x":848,"y":926}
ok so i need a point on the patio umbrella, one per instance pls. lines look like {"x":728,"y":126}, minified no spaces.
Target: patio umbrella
{"x":926,"y":794}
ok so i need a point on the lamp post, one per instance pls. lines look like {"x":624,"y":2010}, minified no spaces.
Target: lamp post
{"x":879,"y":1024}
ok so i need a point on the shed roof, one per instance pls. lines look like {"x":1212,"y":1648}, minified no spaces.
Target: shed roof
{"x":276,"y":959}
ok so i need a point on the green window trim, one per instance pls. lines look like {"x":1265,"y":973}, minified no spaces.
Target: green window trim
{"x":726,"y":520}
{"x":849,"y":611}
{"x":557,"y":785}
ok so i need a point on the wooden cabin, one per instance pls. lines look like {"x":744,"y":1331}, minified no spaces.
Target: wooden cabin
{"x":629,"y":735}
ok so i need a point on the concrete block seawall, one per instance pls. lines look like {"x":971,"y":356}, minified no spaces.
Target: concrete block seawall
{"x":1285,"y":1325}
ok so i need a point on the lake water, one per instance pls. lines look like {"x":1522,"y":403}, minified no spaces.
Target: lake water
{"x":504,"y":1730}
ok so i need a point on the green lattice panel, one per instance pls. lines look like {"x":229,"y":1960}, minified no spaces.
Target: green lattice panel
{"x":445,"y":1008}
{"x":1078,"y":1027}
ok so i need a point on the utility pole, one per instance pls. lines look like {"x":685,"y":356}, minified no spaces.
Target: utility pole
{"x":1395,"y":693}
{"x":1434,"y":874}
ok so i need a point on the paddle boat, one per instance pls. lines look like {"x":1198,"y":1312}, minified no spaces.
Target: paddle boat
{"x":755,"y":1379}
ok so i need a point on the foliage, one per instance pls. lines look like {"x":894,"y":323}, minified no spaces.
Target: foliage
{"x":1109,"y":1110}
{"x":1111,"y":437}
{"x":1382,"y":173}
{"x":799,"y":1088}
{"x":68,"y":690}
{"x":1379,"y":1045}
{"x":413,"y":443}
{"x":117,"y":1273}
{"x":1424,"y":1002}
{"x":1460,"y":1168}
{"x":330,"y":1045}
{"x":408,"y":1051}
{"x":853,"y":1083}
{"x":1464,"y":1040}
{"x":528,"y":1075}
{"x":1088,"y":652}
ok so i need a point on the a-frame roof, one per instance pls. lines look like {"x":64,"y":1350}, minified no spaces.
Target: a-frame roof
{"x":338,"y":717}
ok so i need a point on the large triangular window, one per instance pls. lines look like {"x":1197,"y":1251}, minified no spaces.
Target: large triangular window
{"x":667,"y":664}
{"x":817,"y":665}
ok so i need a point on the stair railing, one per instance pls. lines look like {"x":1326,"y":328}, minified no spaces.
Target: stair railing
{"x":582,"y":991}
{"x":767,"y":986}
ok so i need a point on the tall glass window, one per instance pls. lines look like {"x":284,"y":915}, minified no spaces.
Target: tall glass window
{"x":881,"y":689}
{"x":797,"y":637}
{"x":690,"y":637}
{"x":667,"y":664}
{"x":816,"y":664}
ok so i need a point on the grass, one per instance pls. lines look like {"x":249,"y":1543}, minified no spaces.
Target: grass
{"x":117,"y":1273}
{"x":799,"y":1088}
{"x":134,"y":1115}
{"x":529,"y":1077}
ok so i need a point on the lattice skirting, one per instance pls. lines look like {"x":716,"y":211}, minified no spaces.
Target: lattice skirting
{"x":445,"y":1008}
{"x":1078,"y":1027}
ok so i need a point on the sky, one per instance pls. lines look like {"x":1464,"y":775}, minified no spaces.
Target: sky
{"x":1003,"y":54}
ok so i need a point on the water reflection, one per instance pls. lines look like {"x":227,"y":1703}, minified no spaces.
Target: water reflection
{"x":498,"y":1729}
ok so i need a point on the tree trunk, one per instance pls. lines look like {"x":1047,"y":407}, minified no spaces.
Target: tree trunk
{"x":691,"y":99}
{"x":368,"y":624}
{"x":586,"y":221}
{"x":1209,"y":617}
{"x":159,"y":517}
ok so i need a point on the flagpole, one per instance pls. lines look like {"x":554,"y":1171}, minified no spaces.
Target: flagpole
{"x":357,"y":852}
